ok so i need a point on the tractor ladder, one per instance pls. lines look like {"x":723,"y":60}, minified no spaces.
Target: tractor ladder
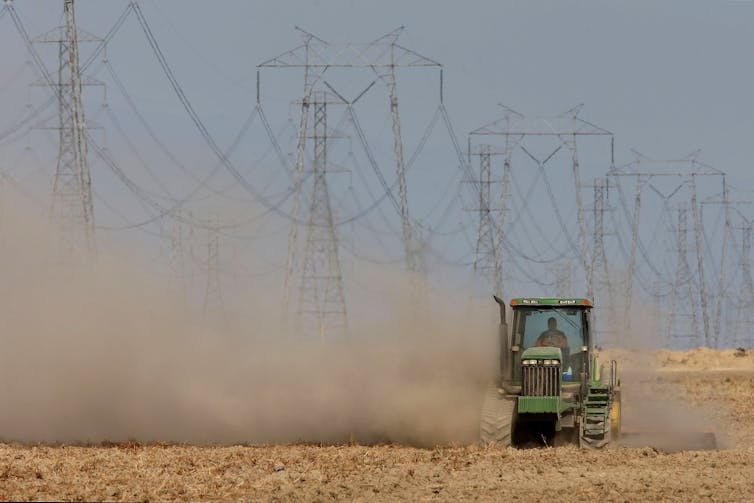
{"x":595,"y":423}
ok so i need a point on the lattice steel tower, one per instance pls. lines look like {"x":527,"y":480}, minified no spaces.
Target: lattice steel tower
{"x":687,"y":171}
{"x":321,"y":301}
{"x":380,"y":57}
{"x":599,"y":256}
{"x":745,"y":304}
{"x":72,"y":207}
{"x":213,"y":296}
{"x":565,"y":130}
{"x":181,"y":251}
{"x":562,"y":271}
{"x":682,"y":297}
{"x":601,"y":282}
{"x":487,"y":259}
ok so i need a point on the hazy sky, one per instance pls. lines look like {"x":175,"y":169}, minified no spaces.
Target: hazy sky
{"x":666,"y":78}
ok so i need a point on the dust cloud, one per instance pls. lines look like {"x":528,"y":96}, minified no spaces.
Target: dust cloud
{"x":657,"y":410}
{"x":110,"y":353}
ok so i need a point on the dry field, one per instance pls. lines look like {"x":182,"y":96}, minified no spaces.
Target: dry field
{"x":714,"y":388}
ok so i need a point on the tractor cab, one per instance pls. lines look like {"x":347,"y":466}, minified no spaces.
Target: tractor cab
{"x":553,"y":323}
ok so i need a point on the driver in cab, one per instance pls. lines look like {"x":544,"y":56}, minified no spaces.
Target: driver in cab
{"x":552,"y":336}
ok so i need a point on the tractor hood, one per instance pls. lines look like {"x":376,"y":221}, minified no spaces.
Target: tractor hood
{"x":542,"y":353}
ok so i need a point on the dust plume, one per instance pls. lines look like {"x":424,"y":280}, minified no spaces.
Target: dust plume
{"x":108,"y":352}
{"x":657,"y":410}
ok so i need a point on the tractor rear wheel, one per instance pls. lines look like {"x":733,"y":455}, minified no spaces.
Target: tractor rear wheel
{"x":497,"y":419}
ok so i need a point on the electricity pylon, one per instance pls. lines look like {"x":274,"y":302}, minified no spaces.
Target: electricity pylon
{"x":686,"y":171}
{"x":321,"y":303}
{"x":181,"y":252}
{"x":746,"y":293}
{"x":72,"y":208}
{"x":565,"y":130}
{"x":601,"y":282}
{"x":682,"y":292}
{"x":379,"y":57}
{"x":488,"y":256}
{"x":213,"y":295}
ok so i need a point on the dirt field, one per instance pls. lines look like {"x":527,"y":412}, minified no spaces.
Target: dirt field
{"x":716,"y":387}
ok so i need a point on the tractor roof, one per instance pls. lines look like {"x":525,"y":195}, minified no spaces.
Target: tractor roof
{"x":551,"y":301}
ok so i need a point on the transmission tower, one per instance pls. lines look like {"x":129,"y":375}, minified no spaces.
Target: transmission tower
{"x":181,"y":251}
{"x":487,"y":259}
{"x":213,"y":296}
{"x":732,"y":202}
{"x":686,"y":170}
{"x":321,"y":299}
{"x":600,"y":278}
{"x":745,"y":304}
{"x":721,"y":199}
{"x":72,"y":207}
{"x":682,"y":296}
{"x":381,"y":58}
{"x":562,"y":271}
{"x":566,"y":130}
{"x":700,"y":262}
{"x":599,"y":256}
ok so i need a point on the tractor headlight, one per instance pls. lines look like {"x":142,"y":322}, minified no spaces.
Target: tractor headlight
{"x":528,"y":362}
{"x":551,"y":362}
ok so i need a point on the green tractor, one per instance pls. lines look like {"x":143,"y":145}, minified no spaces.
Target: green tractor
{"x":551,"y":389}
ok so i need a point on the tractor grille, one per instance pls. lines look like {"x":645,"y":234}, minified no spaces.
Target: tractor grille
{"x":540,"y":380}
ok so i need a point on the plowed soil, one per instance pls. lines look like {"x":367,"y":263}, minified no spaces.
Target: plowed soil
{"x":684,"y":391}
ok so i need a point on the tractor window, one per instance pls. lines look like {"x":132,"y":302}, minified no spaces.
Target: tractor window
{"x":552,"y":327}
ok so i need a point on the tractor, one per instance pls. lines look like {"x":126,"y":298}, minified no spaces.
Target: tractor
{"x":551,"y":389}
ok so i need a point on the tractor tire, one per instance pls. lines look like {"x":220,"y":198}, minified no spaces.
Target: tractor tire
{"x":498,"y":417}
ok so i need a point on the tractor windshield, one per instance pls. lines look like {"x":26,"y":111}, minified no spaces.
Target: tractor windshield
{"x":559,"y":327}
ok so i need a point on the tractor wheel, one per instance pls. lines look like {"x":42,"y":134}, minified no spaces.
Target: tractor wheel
{"x":497,"y":419}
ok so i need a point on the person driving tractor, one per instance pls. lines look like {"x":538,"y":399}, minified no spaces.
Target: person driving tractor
{"x":552,"y":336}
